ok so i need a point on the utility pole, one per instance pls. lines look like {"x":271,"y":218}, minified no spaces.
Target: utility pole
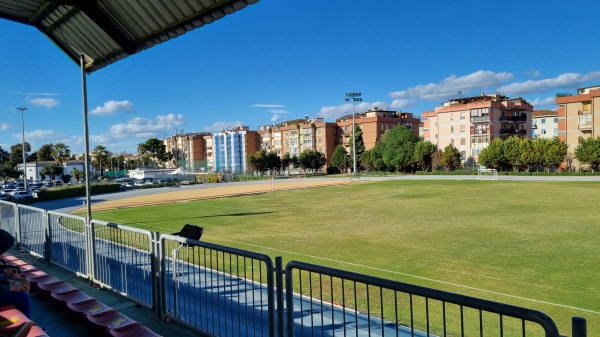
{"x":354,"y":97}
{"x":23,"y":146}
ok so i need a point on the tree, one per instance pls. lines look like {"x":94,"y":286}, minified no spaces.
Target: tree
{"x":493,"y":155}
{"x":100,"y":154}
{"x":157,"y":150}
{"x":60,"y":153}
{"x":258,"y":161}
{"x":451,"y":158}
{"x":556,"y":153}
{"x":286,"y":161}
{"x":16,"y":154}
{"x":340,"y":158}
{"x":273,"y":162}
{"x":7,"y":170}
{"x":360,"y":146}
{"x":52,"y":171}
{"x":44,"y":153}
{"x":588,"y":152}
{"x":398,"y":148}
{"x":78,"y":175}
{"x":373,"y":158}
{"x":511,"y":148}
{"x":423,"y":154}
{"x":4,"y":156}
{"x":312,"y":160}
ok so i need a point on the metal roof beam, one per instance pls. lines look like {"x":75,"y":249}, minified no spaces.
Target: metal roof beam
{"x":91,"y":9}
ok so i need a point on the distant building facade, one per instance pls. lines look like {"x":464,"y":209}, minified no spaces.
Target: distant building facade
{"x":578,"y":116}
{"x":188,"y":151}
{"x":544,"y":124}
{"x":471,"y":123}
{"x":231,"y":148}
{"x":373,"y":124}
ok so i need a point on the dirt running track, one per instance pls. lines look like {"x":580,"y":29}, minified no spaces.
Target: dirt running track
{"x":223,"y":190}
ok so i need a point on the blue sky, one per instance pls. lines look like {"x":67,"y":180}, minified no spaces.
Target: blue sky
{"x":280,"y":60}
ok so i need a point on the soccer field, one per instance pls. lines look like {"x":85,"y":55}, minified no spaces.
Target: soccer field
{"x":530,"y":243}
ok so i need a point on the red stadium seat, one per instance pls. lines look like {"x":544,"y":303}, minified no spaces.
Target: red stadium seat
{"x":74,"y":296}
{"x":82,"y":309}
{"x":11,"y":320}
{"x":112,"y":320}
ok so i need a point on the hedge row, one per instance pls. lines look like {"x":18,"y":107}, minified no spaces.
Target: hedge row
{"x":75,"y":191}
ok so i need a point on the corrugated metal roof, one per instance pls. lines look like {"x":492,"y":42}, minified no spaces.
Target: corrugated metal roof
{"x":106,"y":31}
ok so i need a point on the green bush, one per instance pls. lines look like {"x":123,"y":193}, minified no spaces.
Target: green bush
{"x":75,"y":191}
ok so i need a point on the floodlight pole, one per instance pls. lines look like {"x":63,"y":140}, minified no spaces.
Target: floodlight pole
{"x":354,"y":97}
{"x":23,"y":146}
{"x":86,"y":166}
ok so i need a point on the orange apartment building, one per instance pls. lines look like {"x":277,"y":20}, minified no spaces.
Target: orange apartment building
{"x":373,"y":124}
{"x":297,"y":136}
{"x":189,"y":150}
{"x":578,"y":116}
{"x":471,"y":123}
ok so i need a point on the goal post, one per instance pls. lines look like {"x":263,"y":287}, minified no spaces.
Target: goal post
{"x":487,"y":174}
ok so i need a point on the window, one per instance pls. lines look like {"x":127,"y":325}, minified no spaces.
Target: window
{"x":382,"y":127}
{"x":452,"y":130}
{"x":543,"y":131}
{"x":462,"y":116}
{"x":463,"y":141}
{"x":555,"y":131}
{"x":543,"y":121}
{"x":555,"y":119}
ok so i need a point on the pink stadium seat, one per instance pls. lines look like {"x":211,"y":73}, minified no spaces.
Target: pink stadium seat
{"x":75,"y":296}
{"x":55,"y":288}
{"x":83,"y":309}
{"x":138,"y":331}
{"x":112,"y":320}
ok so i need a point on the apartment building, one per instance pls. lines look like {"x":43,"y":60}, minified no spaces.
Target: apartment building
{"x":231,"y":148}
{"x":471,"y":123}
{"x":578,"y":116}
{"x":189,"y":151}
{"x":373,"y":124}
{"x":297,"y":136}
{"x":544,"y":124}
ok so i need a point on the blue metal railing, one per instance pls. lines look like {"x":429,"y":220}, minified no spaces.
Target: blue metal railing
{"x":218,"y":290}
{"x":340,"y":302}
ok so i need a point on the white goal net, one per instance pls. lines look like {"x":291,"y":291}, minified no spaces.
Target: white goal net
{"x":487,"y":174}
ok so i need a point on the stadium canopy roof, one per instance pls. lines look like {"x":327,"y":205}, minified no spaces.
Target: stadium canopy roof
{"x":105,"y":31}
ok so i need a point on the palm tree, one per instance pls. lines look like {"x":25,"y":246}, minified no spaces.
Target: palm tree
{"x":100,"y":155}
{"x":60,"y":153}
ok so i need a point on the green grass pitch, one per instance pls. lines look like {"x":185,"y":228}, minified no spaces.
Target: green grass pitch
{"x":529,"y":243}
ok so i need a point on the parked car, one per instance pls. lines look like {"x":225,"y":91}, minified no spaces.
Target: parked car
{"x":22,"y":195}
{"x":5,"y":197}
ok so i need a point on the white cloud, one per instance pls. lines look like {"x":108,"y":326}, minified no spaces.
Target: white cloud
{"x":548,"y":102}
{"x":267,"y":106}
{"x":45,"y":102}
{"x":5,"y":126}
{"x":112,"y":107}
{"x":276,"y":117}
{"x":451,"y":86}
{"x":567,"y":80}
{"x":403,"y":103}
{"x":279,"y":111}
{"x":532,"y":73}
{"x":146,"y":128}
{"x":221,"y":126}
